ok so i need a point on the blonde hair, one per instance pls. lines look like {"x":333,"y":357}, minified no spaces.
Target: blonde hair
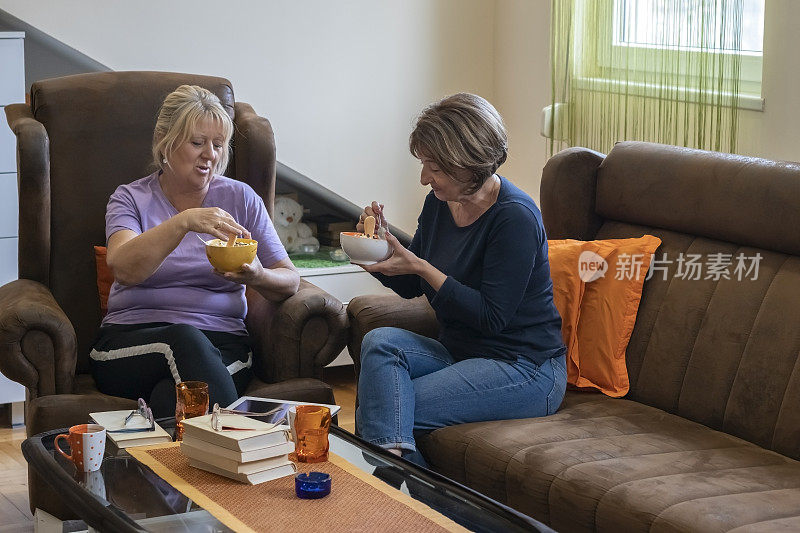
{"x":461,"y":132}
{"x":182,"y":109}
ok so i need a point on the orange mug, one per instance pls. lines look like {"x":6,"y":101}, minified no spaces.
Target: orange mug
{"x":87,"y":442}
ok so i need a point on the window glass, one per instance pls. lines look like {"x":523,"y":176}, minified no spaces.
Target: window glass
{"x":652,"y":23}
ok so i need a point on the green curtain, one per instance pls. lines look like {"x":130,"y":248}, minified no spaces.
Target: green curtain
{"x":648,"y":70}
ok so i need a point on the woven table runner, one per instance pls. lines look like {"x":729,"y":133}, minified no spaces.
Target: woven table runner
{"x":357,"y":502}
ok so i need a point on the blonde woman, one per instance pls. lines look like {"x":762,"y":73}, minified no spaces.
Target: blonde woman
{"x":480,"y":257}
{"x":171,"y":318}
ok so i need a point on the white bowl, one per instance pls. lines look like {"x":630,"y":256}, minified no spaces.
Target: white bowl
{"x":363,"y":250}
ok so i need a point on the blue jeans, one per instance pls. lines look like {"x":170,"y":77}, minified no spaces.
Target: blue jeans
{"x":410,"y":383}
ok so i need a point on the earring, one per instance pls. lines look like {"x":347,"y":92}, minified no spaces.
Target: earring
{"x":164,"y":160}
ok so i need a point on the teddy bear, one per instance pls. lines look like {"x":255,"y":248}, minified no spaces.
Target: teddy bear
{"x":292,"y":233}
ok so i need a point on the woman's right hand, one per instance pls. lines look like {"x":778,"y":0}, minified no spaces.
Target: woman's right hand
{"x":213,"y":221}
{"x":374,"y":210}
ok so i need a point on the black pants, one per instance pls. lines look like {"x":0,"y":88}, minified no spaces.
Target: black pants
{"x":147,"y":360}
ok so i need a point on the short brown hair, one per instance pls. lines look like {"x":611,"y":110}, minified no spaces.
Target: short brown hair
{"x":462,"y":132}
{"x":182,"y":109}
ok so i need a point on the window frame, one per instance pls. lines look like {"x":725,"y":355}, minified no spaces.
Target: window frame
{"x":607,"y":68}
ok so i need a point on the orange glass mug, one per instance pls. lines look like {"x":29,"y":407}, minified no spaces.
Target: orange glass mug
{"x":192,"y":401}
{"x":87,"y":442}
{"x":311,"y":425}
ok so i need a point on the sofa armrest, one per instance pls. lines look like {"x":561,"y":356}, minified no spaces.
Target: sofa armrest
{"x":33,"y":166}
{"x":568,"y":194}
{"x":297,"y":337}
{"x":368,"y":312}
{"x":37,"y":340}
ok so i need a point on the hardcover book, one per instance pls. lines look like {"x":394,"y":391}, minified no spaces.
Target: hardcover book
{"x":286,"y":469}
{"x":233,"y":455}
{"x":256,"y":435}
{"x":232,"y":465}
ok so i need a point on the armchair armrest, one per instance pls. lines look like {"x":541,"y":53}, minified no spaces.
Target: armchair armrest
{"x":37,"y":340}
{"x":297,"y":337}
{"x":33,"y":165}
{"x":368,"y":312}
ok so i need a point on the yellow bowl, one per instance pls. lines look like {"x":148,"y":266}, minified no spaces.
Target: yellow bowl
{"x":231,"y":258}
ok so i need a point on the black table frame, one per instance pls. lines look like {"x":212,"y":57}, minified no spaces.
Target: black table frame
{"x":108,"y":518}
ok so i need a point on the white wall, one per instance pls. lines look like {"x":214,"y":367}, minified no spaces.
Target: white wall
{"x":522,"y":33}
{"x":522,"y":85}
{"x":775,"y":132}
{"x":340,"y":81}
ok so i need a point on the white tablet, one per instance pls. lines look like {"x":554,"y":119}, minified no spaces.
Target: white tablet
{"x":276,"y":409}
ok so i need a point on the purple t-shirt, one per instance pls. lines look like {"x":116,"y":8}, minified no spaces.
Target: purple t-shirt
{"x":184,"y":289}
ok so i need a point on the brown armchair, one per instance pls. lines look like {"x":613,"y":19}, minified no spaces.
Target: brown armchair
{"x":79,"y":139}
{"x":372,"y":311}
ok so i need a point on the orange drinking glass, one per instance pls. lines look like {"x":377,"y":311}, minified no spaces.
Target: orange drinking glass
{"x":311,"y":425}
{"x":192,"y":401}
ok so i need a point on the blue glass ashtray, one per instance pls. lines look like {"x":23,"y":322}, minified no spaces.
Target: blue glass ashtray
{"x":312,"y":485}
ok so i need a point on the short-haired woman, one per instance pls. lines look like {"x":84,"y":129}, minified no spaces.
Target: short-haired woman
{"x":171,"y":318}
{"x":479,"y":255}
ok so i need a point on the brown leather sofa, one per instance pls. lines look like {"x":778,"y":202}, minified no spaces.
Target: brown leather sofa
{"x":79,"y":139}
{"x":708,"y":438}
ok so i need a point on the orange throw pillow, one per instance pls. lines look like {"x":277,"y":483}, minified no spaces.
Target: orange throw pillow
{"x":609,"y":275}
{"x":104,"y":278}
{"x":567,"y":288}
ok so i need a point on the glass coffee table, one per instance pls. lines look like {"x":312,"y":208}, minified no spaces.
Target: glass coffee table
{"x":126,"y":495}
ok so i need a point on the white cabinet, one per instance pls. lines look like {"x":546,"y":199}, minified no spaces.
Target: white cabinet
{"x":12,"y":62}
{"x":12,"y":91}
{"x":8,"y":144}
{"x":9,"y":212}
{"x":8,"y":260}
{"x":343,"y":283}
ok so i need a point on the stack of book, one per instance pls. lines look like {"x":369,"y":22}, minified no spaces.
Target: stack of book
{"x":252,"y":455}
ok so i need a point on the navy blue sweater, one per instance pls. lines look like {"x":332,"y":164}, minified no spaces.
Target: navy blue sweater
{"x":497,"y":301}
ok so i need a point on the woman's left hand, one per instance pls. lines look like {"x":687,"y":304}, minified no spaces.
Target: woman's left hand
{"x":402,"y":261}
{"x":249,"y":273}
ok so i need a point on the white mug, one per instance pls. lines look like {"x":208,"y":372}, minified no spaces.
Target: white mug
{"x":95,"y":483}
{"x":87,"y":443}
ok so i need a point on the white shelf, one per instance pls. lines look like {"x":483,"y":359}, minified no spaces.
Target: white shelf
{"x":8,"y":144}
{"x":12,"y":65}
{"x":324,"y":271}
{"x":9,"y":221}
{"x":8,"y":260}
{"x":12,"y":91}
{"x":10,"y":391}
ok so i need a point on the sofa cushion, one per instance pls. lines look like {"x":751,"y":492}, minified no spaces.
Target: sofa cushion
{"x":726,"y":197}
{"x":617,"y":465}
{"x":720,"y":352}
